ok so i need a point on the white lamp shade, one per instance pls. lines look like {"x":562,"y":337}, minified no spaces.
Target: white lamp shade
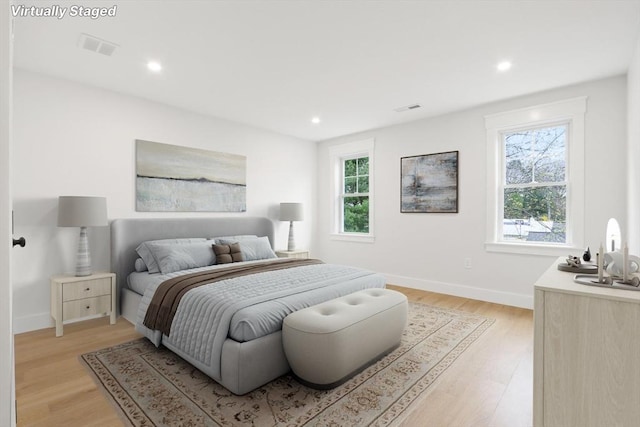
{"x":81,"y":211}
{"x":291,"y":212}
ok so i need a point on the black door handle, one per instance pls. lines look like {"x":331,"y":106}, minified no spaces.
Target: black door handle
{"x":19,"y":242}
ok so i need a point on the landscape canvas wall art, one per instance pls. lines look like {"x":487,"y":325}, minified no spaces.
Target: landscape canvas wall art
{"x":429,"y":183}
{"x":171,"y":178}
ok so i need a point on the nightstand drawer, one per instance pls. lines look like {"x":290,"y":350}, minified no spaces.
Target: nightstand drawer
{"x":86,"y":307}
{"x":86,"y":289}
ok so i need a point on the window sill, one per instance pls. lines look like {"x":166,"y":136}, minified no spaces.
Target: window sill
{"x":352,"y":237}
{"x":529,"y":249}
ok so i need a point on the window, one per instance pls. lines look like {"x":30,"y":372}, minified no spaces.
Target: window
{"x":352,"y":167}
{"x":534,"y":188}
{"x":535,"y":182}
{"x":355,"y":195}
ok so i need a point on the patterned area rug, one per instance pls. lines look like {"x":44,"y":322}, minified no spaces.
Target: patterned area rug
{"x":154,"y":387}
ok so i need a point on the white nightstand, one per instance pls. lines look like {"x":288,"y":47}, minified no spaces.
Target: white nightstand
{"x":293,"y":254}
{"x":78,"y":297}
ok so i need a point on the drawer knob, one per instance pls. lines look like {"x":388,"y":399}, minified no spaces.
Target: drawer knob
{"x":88,"y":289}
{"x":88,"y":307}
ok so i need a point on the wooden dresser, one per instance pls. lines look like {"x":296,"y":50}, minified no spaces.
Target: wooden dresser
{"x":586,"y":360}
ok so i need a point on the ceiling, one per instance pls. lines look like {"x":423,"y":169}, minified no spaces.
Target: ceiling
{"x":276,"y":64}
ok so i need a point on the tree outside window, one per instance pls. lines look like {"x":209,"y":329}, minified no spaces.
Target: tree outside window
{"x":535,"y":185}
{"x":355,"y":195}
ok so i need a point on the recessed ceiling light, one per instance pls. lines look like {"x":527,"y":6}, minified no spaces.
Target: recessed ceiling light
{"x":504,"y":66}
{"x":154,"y":66}
{"x":315,"y":120}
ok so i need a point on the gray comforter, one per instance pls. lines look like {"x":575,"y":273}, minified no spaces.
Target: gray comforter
{"x":249,"y":307}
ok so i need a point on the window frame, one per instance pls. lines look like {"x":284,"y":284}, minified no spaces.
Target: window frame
{"x":570,"y":112}
{"x":338,"y":154}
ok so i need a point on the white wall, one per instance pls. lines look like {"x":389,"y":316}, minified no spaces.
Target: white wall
{"x":633,"y":158}
{"x":426,"y":251}
{"x":72,"y":139}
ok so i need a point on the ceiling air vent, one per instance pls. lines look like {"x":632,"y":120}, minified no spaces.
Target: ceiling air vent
{"x":95,"y":44}
{"x":407,"y":107}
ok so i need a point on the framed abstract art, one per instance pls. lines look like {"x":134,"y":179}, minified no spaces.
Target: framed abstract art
{"x":429,"y":183}
{"x":172,"y":178}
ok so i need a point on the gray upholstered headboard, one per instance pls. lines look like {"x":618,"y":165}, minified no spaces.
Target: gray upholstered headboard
{"x":128,"y":233}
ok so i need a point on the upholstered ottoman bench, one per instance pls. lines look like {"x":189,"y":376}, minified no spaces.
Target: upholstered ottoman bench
{"x":328,"y":343}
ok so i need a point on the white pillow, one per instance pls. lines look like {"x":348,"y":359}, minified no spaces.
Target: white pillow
{"x":140,"y":266}
{"x":233,"y":239}
{"x":147,"y":256}
{"x":182,"y":256}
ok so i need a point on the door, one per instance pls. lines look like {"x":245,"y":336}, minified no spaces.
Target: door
{"x":7,"y":381}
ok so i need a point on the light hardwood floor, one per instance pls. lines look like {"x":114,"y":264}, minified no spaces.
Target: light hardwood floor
{"x":489,"y":385}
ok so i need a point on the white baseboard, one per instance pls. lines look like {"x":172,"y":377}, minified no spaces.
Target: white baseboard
{"x":32,"y":322}
{"x":35,"y":322}
{"x":482,"y":294}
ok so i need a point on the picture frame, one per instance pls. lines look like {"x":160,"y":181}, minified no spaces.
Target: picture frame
{"x":429,"y":183}
{"x":172,"y":178}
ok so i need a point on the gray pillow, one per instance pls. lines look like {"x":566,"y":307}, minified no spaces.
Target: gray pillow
{"x":254,"y":249}
{"x":140,"y":266}
{"x":182,"y":256}
{"x":147,"y":256}
{"x":237,"y":238}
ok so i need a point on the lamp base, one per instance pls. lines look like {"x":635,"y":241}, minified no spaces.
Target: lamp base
{"x":83,"y":263}
{"x":291,"y":245}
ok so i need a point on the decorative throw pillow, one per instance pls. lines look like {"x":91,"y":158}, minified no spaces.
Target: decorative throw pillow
{"x":226,"y":254}
{"x":147,"y":256}
{"x":252,"y":249}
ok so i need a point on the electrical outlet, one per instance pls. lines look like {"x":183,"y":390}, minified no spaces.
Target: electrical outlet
{"x":467,"y":263}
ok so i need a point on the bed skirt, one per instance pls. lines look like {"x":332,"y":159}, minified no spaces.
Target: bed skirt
{"x":245,"y":366}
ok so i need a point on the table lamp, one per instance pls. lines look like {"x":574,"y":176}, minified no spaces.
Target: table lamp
{"x":291,"y":212}
{"x":83,"y":212}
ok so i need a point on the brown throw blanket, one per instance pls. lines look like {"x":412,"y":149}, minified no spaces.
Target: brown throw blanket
{"x":165,"y":301}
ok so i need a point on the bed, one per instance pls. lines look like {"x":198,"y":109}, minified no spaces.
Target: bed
{"x":240,"y":344}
